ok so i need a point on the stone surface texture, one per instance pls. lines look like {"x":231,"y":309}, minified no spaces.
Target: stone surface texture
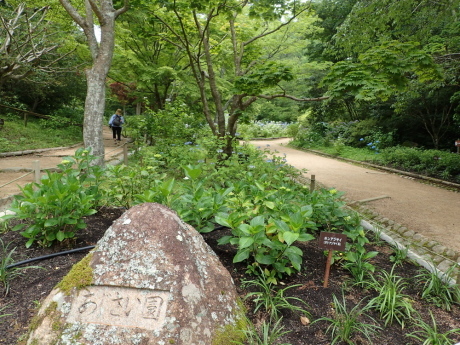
{"x":155,"y":282}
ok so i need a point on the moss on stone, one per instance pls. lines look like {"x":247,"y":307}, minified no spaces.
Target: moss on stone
{"x":233,"y":333}
{"x":51,"y":313}
{"x":38,"y":319}
{"x":80,"y":276}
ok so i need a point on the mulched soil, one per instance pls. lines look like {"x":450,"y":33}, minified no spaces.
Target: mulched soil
{"x":34,"y":285}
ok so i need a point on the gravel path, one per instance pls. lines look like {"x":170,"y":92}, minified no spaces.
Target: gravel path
{"x":426,"y":209}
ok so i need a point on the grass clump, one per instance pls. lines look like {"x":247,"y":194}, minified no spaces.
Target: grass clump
{"x":272,"y":300}
{"x":436,"y":290}
{"x":345,"y":324}
{"x":429,"y":334}
{"x":7,"y":274}
{"x":268,"y":333}
{"x":391,"y":303}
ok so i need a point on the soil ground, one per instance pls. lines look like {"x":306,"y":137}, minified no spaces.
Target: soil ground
{"x":27,"y":291}
{"x":424,"y":208}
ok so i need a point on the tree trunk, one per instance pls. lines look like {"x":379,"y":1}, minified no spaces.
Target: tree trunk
{"x":101,"y":54}
{"x":94,"y":113}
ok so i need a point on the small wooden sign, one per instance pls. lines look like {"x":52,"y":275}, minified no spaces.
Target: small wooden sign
{"x":457,"y":142}
{"x":331,"y":241}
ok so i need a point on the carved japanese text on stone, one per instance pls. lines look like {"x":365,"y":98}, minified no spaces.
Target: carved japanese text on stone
{"x":119,"y":306}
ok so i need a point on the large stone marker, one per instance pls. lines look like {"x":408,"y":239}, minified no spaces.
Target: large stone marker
{"x":151,"y":280}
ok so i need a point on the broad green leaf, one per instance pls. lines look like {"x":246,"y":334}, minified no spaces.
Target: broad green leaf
{"x":259,"y":220}
{"x":296,"y":260}
{"x":245,"y":229}
{"x":270,"y":204}
{"x":265,"y":259}
{"x":192,"y":172}
{"x":290,"y":237}
{"x":241,"y":255}
{"x":259,"y":186}
{"x":51,"y":236}
{"x":222,"y":220}
{"x":166,"y":187}
{"x":282,"y":226}
{"x":70,"y":221}
{"x":296,"y":220}
{"x":294,"y":250}
{"x":351,"y":256}
{"x":305,"y":237}
{"x":224,"y":240}
{"x":370,"y":255}
{"x":245,"y":242}
{"x":60,"y":236}
{"x":18,"y":227}
{"x":51,"y":222}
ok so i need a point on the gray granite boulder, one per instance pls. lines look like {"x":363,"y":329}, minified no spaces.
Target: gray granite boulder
{"x":151,"y":280}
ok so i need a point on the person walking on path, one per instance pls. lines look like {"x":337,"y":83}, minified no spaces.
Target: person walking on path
{"x":116,"y":123}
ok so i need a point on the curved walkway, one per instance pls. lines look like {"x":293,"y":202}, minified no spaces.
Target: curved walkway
{"x":18,"y":166}
{"x":418,"y":213}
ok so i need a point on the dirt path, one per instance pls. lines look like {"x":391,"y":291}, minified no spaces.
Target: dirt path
{"x":431,"y":211}
{"x":10,"y":167}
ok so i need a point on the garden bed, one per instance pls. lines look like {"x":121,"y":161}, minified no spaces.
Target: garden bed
{"x":27,"y":291}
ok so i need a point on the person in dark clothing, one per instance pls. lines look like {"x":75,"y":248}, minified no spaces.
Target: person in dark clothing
{"x":116,"y":123}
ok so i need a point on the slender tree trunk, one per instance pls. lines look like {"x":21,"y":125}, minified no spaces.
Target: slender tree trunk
{"x":94,"y":113}
{"x":101,"y":54}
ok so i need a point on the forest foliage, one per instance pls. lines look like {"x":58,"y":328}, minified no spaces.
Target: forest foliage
{"x":390,"y":66}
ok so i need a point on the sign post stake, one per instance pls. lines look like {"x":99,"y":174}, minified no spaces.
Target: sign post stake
{"x":331,"y":241}
{"x":36,"y":167}
{"x":328,"y":267}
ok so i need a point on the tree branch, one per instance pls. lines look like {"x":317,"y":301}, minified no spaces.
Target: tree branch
{"x":282,"y":95}
{"x":266,"y":32}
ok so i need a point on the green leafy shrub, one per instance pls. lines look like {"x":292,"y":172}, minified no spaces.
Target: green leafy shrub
{"x":274,"y":215}
{"x":357,"y":263}
{"x":198,"y":204}
{"x":252,"y":192}
{"x":399,"y":255}
{"x":175,"y":122}
{"x":261,"y":243}
{"x":54,"y":209}
{"x":264,"y":129}
{"x":64,"y":118}
{"x":123,"y":184}
{"x":431,"y":162}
